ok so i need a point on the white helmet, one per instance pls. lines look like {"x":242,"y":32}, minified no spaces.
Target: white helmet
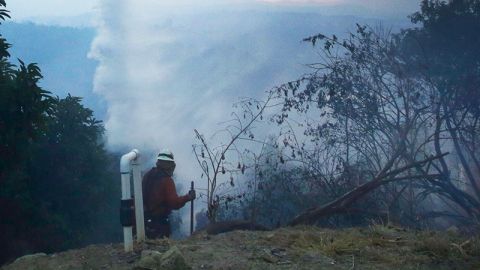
{"x":166,"y":155}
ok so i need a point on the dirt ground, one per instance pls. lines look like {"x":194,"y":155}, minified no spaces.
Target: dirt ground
{"x":375,"y":247}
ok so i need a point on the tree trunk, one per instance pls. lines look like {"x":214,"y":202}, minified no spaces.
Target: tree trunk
{"x":341,"y":204}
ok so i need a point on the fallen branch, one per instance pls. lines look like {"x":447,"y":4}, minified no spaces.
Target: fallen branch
{"x":341,"y":204}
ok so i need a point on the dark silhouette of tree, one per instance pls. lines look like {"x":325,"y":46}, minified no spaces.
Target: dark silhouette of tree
{"x":443,"y":52}
{"x":71,"y":171}
{"x":58,"y":185}
{"x":391,"y":101}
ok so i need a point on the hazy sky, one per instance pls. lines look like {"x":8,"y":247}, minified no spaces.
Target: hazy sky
{"x":45,"y":9}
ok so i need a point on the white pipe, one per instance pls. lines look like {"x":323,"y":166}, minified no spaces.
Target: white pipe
{"x":137,"y":190}
{"x":126,"y":194}
{"x":128,"y":239}
{"x":127,"y":231}
{"x":127,"y":159}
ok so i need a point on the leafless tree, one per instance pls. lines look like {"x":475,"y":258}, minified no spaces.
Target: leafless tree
{"x":226,"y":159}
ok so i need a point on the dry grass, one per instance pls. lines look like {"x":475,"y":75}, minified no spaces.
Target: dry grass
{"x":384,"y":247}
{"x":374,"y":247}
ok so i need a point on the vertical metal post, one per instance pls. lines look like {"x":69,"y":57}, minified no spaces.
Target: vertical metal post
{"x":191,"y":212}
{"x":137,"y":190}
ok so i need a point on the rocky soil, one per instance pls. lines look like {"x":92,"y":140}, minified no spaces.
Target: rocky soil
{"x":375,"y":247}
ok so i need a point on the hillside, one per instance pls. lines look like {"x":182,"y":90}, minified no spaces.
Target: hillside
{"x":62,"y":54}
{"x":375,"y":247}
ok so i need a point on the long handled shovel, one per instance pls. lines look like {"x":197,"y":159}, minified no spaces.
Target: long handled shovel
{"x":191,"y":212}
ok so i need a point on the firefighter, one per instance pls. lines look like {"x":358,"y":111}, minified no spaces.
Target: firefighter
{"x":160,"y":196}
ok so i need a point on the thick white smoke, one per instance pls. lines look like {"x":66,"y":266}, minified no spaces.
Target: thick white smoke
{"x":166,"y":69}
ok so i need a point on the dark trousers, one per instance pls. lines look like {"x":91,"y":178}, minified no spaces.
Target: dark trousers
{"x":157,"y":226}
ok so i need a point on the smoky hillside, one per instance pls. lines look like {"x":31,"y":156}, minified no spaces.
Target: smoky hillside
{"x":295,"y":121}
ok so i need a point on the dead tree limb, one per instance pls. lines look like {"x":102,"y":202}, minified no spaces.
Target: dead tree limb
{"x":341,"y":204}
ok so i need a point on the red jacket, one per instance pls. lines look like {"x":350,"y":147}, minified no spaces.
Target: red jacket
{"x":160,"y":195}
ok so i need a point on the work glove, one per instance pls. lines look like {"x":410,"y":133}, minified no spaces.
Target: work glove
{"x":192,"y":195}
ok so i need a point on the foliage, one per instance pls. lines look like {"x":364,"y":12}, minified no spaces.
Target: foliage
{"x":444,"y":53}
{"x":359,"y":117}
{"x":57,"y":184}
{"x":71,"y":164}
{"x":370,"y":128}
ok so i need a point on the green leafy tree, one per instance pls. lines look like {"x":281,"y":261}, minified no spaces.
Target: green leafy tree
{"x":24,"y":109}
{"x":58,"y":184}
{"x":71,"y":168}
{"x":443,"y":51}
